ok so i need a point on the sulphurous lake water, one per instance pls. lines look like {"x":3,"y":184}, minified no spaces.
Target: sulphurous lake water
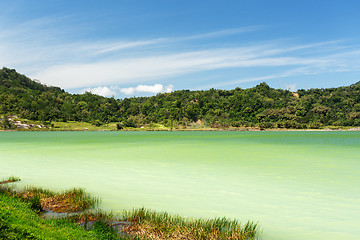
{"x":297,"y":185}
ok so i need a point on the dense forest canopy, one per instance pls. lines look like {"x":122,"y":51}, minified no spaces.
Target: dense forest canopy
{"x":260,"y":106}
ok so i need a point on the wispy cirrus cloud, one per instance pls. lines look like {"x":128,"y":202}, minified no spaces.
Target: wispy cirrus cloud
{"x":108,"y":47}
{"x":103,"y":66}
{"x":221,"y":33}
{"x":122,"y":45}
{"x":124,"y":71}
{"x":40,"y":44}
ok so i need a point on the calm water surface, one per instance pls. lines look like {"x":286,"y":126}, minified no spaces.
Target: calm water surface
{"x":297,"y":185}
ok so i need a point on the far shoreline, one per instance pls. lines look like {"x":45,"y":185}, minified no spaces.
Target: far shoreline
{"x":19,"y":124}
{"x":342,"y":129}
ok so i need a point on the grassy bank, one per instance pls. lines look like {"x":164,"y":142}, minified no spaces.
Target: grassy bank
{"x":21,"y":214}
{"x":19,"y":221}
{"x":21,"y":217}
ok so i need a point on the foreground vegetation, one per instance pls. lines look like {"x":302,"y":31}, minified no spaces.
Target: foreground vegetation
{"x":260,"y":107}
{"x":21,"y":218}
{"x":18,"y":221}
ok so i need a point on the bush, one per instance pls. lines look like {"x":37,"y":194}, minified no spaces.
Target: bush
{"x":119,"y":126}
{"x":97,"y":123}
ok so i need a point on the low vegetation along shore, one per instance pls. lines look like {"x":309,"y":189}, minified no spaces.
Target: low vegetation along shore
{"x":24,"y":215}
{"x":17,"y":124}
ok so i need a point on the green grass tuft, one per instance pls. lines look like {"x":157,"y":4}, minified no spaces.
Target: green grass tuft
{"x":18,"y":221}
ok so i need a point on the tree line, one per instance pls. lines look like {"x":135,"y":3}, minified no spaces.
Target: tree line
{"x":260,"y":106}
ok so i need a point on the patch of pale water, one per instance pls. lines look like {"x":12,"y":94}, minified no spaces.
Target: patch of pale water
{"x":297,"y":185}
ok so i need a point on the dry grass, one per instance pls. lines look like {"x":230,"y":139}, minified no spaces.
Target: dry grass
{"x":10,"y":180}
{"x":153,"y":225}
{"x":73,"y":200}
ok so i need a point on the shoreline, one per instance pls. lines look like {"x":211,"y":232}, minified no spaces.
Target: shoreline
{"x":80,"y":209}
{"x":353,"y":129}
{"x":18,"y":124}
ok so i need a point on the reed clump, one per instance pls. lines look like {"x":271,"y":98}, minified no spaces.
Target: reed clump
{"x":73,"y":200}
{"x":154,"y":225}
{"x":10,"y":180}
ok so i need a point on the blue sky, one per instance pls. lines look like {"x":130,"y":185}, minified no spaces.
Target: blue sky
{"x":140,"y":48}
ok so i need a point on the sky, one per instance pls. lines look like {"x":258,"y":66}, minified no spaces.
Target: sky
{"x":126,"y":48}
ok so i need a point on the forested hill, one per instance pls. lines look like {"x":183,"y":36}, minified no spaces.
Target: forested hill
{"x":260,"y":106}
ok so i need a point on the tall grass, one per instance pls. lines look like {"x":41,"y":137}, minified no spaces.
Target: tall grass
{"x":6,"y":188}
{"x":72,"y":200}
{"x":165,"y":226}
{"x":10,"y":180}
{"x":39,"y":191}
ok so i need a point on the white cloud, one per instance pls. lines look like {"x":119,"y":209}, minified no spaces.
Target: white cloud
{"x":291,"y":87}
{"x":102,"y":91}
{"x":169,"y":88}
{"x":153,"y":89}
{"x":130,"y":91}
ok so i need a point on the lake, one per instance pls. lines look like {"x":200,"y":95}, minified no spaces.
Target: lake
{"x":297,"y":185}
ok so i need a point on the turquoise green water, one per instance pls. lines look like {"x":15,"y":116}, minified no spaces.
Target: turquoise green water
{"x":297,"y":185}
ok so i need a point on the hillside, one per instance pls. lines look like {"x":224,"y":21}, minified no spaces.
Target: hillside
{"x":260,"y":106}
